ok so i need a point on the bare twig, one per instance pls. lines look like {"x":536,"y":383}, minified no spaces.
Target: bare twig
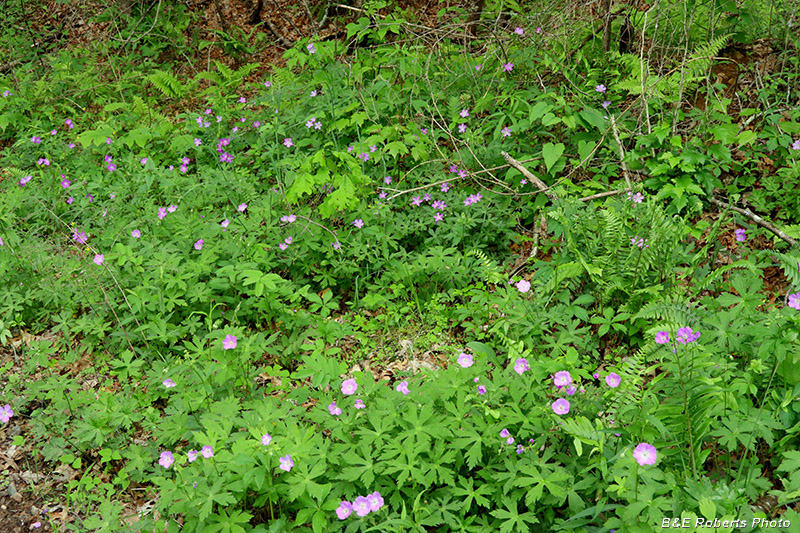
{"x":8,"y":66}
{"x":755,"y":218}
{"x":542,"y":186}
{"x":286,"y":43}
{"x":358,"y":10}
{"x":621,"y":152}
{"x":606,"y":25}
{"x":601,"y":195}
{"x":223,"y":24}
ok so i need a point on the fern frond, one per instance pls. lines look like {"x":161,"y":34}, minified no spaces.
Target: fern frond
{"x":632,"y":371}
{"x":689,"y":400}
{"x":491,"y":271}
{"x":692,"y":71}
{"x":560,"y":274}
{"x":675,"y":310}
{"x":167,"y":84}
{"x":790,"y":263}
{"x":712,"y":277}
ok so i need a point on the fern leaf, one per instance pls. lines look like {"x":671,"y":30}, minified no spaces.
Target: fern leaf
{"x":675,"y":310}
{"x":167,"y":84}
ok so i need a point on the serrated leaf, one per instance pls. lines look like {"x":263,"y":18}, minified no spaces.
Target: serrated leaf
{"x":708,"y":508}
{"x":397,"y":147}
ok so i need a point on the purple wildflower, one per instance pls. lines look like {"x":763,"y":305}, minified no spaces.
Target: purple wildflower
{"x":166,"y":459}
{"x":286,"y":463}
{"x":465,"y":360}
{"x":562,"y":379}
{"x":561,"y":406}
{"x":229,"y":343}
{"x":645,"y":454}
{"x":344,"y":510}
{"x":349,"y":386}
{"x":361,"y":506}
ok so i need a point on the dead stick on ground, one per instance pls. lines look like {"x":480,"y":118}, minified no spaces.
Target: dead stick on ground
{"x":601,"y":195}
{"x":621,"y":151}
{"x":542,"y":186}
{"x":757,"y":219}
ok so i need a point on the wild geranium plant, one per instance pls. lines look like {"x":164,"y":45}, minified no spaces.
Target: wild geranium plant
{"x":238,"y":277}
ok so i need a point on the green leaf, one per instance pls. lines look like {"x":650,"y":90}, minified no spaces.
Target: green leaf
{"x":97,"y":136}
{"x":551,"y":154}
{"x":550,"y":119}
{"x":585,"y":149}
{"x":539,"y":110}
{"x":707,"y":508}
{"x":594,"y":118}
{"x":397,"y":147}
{"x":746,"y":137}
{"x":138,"y":136}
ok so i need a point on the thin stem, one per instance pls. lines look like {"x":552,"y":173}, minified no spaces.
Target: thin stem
{"x":686,"y":411}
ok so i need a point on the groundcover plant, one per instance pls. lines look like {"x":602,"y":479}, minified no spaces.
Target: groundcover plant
{"x":451,"y":271}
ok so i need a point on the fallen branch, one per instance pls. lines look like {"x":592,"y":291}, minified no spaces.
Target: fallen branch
{"x":601,"y":195}
{"x":755,"y":218}
{"x":6,"y":67}
{"x":542,"y":186}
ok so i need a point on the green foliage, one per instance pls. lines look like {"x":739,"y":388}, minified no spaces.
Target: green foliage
{"x":352,"y":218}
{"x":680,"y":81}
{"x":167,"y":84}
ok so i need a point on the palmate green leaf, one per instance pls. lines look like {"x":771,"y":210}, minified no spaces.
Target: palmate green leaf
{"x":96,"y":136}
{"x":468,"y":493}
{"x":729,"y":436}
{"x":303,"y":184}
{"x":473,"y":446}
{"x":228,"y":523}
{"x":790,"y":463}
{"x":363,"y":468}
{"x":215,"y":494}
{"x":303,"y":480}
{"x":424,"y":424}
{"x":406,"y":466}
{"x":397,"y":147}
{"x":138,"y":136}
{"x":513,"y":520}
{"x":441,"y":463}
{"x":445,"y":509}
{"x":379,"y":433}
{"x":550,"y":477}
{"x":342,"y":198}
